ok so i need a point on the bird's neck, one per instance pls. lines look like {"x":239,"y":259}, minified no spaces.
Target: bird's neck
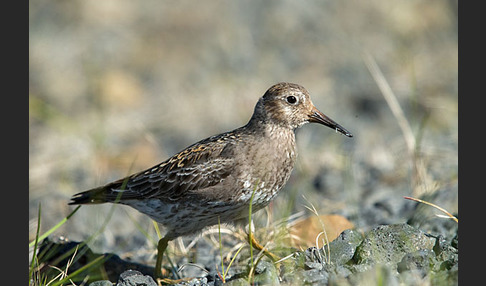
{"x":279,"y":138}
{"x":279,"y":133}
{"x":270,"y":130}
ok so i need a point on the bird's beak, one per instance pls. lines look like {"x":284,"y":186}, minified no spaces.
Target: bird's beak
{"x":318,"y":117}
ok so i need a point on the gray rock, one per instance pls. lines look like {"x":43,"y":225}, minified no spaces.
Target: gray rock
{"x":344,"y":246}
{"x":101,"y":283}
{"x":199,"y":281}
{"x":238,"y":282}
{"x":315,"y":276}
{"x":418,"y":260}
{"x":135,"y":278}
{"x":388,"y":244}
{"x":376,"y":275}
{"x":266,"y":274}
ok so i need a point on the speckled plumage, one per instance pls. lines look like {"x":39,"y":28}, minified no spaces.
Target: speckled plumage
{"x":215,"y":177}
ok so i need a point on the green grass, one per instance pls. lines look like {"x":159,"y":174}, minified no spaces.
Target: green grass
{"x":54,"y":275}
{"x":40,"y":275}
{"x":51,"y":230}
{"x":224,"y":273}
{"x":325,"y":241}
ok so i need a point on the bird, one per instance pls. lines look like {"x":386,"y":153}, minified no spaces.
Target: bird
{"x":216,"y":179}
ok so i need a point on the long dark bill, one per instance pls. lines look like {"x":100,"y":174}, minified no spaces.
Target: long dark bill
{"x":319,"y":117}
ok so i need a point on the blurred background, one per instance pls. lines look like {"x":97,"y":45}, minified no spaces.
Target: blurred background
{"x":116,"y":87}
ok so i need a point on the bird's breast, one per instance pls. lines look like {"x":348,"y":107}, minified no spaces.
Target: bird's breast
{"x":267,"y":167}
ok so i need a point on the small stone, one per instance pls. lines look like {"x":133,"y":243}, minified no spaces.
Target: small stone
{"x":135,"y":278}
{"x":101,"y":283}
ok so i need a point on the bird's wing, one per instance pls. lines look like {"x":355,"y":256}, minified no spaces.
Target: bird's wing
{"x":195,"y":168}
{"x":201,"y":165}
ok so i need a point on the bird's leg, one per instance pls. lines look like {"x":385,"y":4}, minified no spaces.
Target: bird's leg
{"x":162,"y":245}
{"x":254,"y":243}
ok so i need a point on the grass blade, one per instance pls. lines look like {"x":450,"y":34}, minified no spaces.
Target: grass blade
{"x":34,"y":253}
{"x":435,"y":206}
{"x":54,"y":228}
{"x":93,"y":263}
{"x":391,"y":100}
{"x":250,"y":222}
{"x":233,"y":259}
{"x":221,"y":249}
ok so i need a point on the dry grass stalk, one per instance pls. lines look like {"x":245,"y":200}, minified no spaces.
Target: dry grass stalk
{"x":449,"y":215}
{"x":419,"y":170}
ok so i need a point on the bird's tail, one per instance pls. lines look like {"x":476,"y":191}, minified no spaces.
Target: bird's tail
{"x":93,"y":196}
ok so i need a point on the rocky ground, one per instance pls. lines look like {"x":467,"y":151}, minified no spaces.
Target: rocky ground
{"x":119,"y":86}
{"x":397,"y":254}
{"x":421,"y":250}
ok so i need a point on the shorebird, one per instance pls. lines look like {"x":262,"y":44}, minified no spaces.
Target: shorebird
{"x":214,"y":180}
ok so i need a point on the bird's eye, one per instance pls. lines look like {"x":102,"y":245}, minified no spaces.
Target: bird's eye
{"x":291,"y":99}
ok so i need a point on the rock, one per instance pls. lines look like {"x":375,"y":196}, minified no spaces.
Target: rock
{"x":315,"y":276}
{"x":101,"y":283}
{"x":238,"y":282}
{"x":135,"y":278}
{"x":199,"y":281}
{"x":419,"y":260}
{"x":266,"y":274}
{"x":388,"y":244}
{"x":375,"y":275}
{"x":344,"y":246}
